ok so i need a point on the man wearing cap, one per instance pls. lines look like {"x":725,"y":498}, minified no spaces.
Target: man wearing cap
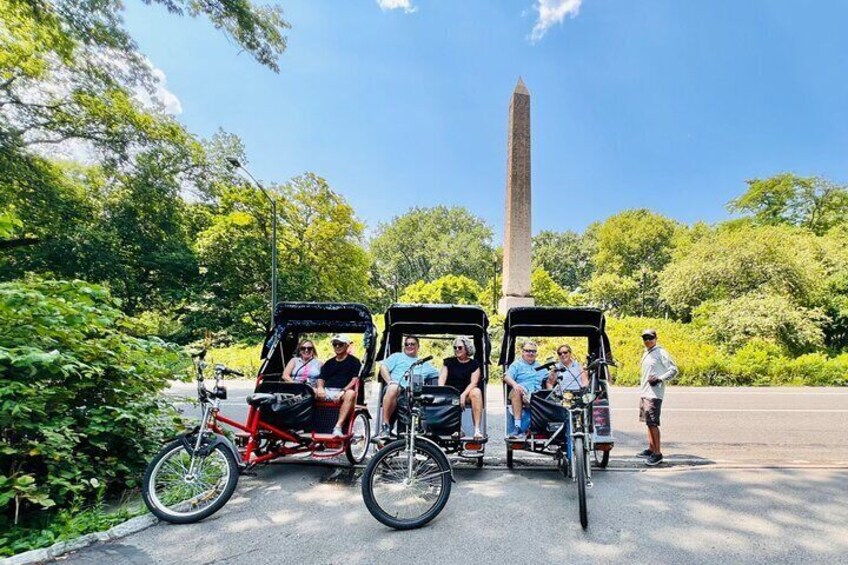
{"x":657,"y":367}
{"x":337,"y":380}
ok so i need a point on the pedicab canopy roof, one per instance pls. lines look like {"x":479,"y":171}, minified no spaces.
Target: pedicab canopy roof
{"x":537,"y":321}
{"x":293,"y":319}
{"x":432,"y":320}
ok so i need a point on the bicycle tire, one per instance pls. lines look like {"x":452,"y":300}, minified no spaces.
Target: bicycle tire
{"x":368,"y":485}
{"x":161,"y":511}
{"x":351,"y":457}
{"x":580,"y":473}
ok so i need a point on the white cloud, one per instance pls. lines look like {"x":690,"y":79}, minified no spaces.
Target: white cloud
{"x":405,"y":5}
{"x":160,"y":93}
{"x":552,"y":12}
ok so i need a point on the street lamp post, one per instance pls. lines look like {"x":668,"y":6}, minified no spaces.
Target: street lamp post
{"x":236,"y":164}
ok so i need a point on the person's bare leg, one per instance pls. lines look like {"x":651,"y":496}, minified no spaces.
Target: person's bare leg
{"x":654,"y":439}
{"x":476,"y":407}
{"x":517,"y":405}
{"x":390,"y":403}
{"x":348,"y":398}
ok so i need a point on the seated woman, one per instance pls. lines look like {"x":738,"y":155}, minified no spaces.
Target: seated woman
{"x":573,"y":376}
{"x":462,"y":372}
{"x":304,"y":367}
{"x":337,"y":380}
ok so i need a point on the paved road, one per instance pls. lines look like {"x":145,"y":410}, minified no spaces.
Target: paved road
{"x":308,"y":514}
{"x":728,"y":426}
{"x":754,"y":475}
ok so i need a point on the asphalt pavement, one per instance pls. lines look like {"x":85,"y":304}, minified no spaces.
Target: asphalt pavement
{"x":752,"y":475}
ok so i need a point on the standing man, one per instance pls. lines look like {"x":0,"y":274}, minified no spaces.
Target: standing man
{"x":657,"y":367}
{"x":393,"y":372}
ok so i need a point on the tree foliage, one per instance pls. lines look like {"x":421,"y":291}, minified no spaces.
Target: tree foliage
{"x":810,"y":202}
{"x":566,"y":256}
{"x":450,"y":289}
{"x":429,"y":243}
{"x":78,"y":398}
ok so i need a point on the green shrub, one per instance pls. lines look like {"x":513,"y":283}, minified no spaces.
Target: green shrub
{"x":80,"y":403}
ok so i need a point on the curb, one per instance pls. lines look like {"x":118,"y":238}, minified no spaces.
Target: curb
{"x":59,"y":549}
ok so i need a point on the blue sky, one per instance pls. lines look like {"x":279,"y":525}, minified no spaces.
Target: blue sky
{"x":665,"y":104}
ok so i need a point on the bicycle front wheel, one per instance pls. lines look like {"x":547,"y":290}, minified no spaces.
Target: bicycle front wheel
{"x":180,"y":490}
{"x":402,"y":499}
{"x":580,"y":474}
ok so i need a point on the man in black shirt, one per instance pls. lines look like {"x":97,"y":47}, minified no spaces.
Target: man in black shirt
{"x":337,"y":380}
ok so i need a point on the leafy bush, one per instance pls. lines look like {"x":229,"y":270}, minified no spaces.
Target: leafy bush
{"x":79,"y":400}
{"x":450,"y":289}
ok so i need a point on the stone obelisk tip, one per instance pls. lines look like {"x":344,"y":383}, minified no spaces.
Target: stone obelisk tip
{"x":520,"y":88}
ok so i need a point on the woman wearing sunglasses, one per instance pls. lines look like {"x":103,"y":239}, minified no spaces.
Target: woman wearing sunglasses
{"x":573,"y":375}
{"x":462,"y":372}
{"x":304,"y":367}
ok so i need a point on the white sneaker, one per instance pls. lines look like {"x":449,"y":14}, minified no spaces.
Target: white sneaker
{"x":337,"y":432}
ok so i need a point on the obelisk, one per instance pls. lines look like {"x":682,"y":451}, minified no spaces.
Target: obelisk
{"x":516,"y":248}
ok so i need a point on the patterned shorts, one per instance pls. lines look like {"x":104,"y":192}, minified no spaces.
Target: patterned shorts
{"x":649,"y":411}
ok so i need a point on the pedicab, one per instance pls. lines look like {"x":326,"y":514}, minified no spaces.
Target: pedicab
{"x":193,"y":476}
{"x":572,"y":426}
{"x":407,"y":482}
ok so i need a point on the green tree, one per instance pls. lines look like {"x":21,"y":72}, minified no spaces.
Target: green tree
{"x":810,"y":202}
{"x":320,"y":253}
{"x":545,"y":290}
{"x":450,"y":289}
{"x":566,"y":256}
{"x":632,"y":247}
{"x":429,"y":243}
{"x":733,"y":322}
{"x":734,"y":261}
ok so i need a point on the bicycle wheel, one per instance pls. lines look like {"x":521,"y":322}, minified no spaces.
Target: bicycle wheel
{"x":398,"y":500}
{"x":357,"y":447}
{"x":174,"y":495}
{"x":580,"y":474}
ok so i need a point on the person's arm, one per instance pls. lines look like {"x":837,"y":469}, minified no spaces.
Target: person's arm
{"x":443,"y":375}
{"x":384,"y":370}
{"x":357,"y":366}
{"x":288,"y":370}
{"x":671,"y":367}
{"x":475,"y":380}
{"x":551,"y":380}
{"x":509,"y":379}
{"x":319,"y":383}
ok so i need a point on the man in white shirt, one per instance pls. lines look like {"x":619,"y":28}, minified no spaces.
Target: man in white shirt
{"x":656,"y":368}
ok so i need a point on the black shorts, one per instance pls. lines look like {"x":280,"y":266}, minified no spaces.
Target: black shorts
{"x":649,"y":411}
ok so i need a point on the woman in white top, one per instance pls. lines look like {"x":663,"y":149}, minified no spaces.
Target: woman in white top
{"x":573,"y":376}
{"x":304,"y":367}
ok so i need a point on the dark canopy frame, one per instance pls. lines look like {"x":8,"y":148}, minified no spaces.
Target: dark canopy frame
{"x":537,"y":321}
{"x":434,"y":320}
{"x":293,"y":319}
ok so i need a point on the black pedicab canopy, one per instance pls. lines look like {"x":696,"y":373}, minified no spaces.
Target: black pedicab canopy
{"x":537,"y":321}
{"x":435,"y":319}
{"x":293,"y":319}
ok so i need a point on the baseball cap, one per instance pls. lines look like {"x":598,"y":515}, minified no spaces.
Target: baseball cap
{"x":340,"y":337}
{"x":649,"y":333}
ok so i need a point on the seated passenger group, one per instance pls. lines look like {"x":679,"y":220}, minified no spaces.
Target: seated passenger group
{"x":525,"y":378}
{"x":333,"y":381}
{"x":461,"y":371}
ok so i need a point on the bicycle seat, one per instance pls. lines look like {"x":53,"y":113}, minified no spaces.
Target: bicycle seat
{"x":260,"y":398}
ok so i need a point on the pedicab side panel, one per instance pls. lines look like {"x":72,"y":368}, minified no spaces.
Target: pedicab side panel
{"x":426,"y":320}
{"x":563,"y":322}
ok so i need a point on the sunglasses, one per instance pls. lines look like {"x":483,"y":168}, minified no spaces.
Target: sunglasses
{"x":647,"y":338}
{"x":410,"y":344}
{"x":565,"y":353}
{"x":307,"y":348}
{"x":529,"y":350}
{"x":458,"y":347}
{"x":339,"y":344}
